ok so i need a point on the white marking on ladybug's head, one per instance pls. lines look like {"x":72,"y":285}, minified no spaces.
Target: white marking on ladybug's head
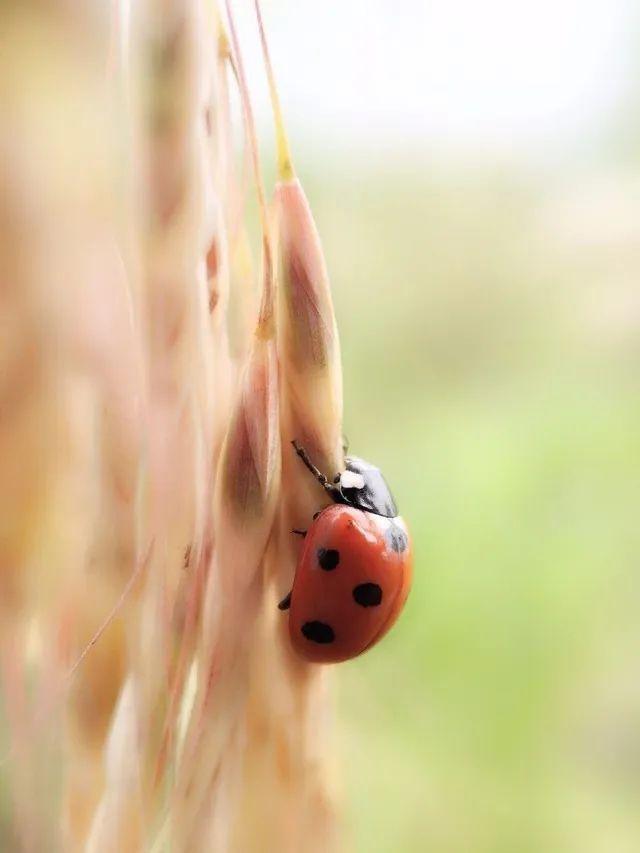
{"x":351,"y":480}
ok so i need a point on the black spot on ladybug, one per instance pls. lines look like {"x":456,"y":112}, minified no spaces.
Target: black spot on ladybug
{"x":396,"y":538}
{"x":318,"y":632}
{"x":367,"y":594}
{"x":328,"y":558}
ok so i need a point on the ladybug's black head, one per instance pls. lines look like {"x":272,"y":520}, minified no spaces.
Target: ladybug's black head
{"x":362,"y":485}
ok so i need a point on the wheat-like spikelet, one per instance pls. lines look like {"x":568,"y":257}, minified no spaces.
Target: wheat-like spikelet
{"x":149,"y":393}
{"x":311,"y":412}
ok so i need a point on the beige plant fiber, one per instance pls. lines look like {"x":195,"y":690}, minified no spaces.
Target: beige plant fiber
{"x":154,"y":368}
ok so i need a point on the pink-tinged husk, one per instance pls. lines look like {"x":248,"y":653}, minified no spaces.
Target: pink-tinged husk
{"x":308,"y":344}
{"x":249,"y":468}
{"x":245,"y":500}
{"x":309,"y":338}
{"x":183,"y":415}
{"x":297,"y":809}
{"x":309,"y":353}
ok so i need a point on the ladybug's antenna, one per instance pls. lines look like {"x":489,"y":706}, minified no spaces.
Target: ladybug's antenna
{"x":335,"y":493}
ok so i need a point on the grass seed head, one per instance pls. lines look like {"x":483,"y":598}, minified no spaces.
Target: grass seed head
{"x":150,"y":394}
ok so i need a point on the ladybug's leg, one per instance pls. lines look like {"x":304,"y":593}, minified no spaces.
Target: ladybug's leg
{"x":285,"y":604}
{"x":299,"y":532}
{"x":320,"y":477}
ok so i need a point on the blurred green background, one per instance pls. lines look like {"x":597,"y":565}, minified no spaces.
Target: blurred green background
{"x":485,"y":275}
{"x":491,"y":371}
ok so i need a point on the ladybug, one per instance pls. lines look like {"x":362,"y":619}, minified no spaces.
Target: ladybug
{"x":354,"y":571}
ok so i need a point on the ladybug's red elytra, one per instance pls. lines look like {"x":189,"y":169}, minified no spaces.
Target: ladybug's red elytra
{"x":354,"y":571}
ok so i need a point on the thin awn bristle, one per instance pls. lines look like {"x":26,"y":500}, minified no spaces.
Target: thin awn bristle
{"x":265,"y":321}
{"x":286,"y":171}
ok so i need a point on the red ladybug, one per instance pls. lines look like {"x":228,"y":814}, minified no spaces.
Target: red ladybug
{"x":354,"y":571}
